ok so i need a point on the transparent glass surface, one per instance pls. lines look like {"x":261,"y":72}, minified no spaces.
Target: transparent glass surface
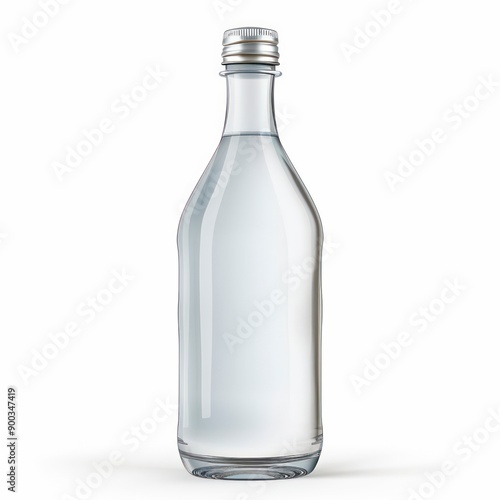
{"x":250,"y":245}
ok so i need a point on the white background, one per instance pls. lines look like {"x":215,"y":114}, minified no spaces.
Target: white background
{"x":344,"y":124}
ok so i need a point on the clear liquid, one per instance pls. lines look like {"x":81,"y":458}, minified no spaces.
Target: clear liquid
{"x":250,"y":311}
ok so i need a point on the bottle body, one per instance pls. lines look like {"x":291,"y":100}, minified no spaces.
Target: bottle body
{"x":250,"y":242}
{"x":250,"y":245}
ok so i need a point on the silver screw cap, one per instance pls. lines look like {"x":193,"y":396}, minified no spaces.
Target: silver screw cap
{"x":250,"y":46}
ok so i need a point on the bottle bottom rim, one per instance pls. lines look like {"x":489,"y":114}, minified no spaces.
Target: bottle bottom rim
{"x":249,"y":469}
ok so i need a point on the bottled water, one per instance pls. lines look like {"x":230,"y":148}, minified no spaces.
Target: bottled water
{"x":250,"y":243}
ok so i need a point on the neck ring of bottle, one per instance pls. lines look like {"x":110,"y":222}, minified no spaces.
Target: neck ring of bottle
{"x":261,"y":71}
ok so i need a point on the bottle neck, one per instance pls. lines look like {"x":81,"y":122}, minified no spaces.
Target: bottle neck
{"x":250,"y":99}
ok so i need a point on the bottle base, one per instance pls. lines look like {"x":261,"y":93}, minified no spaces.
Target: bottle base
{"x":249,"y":469}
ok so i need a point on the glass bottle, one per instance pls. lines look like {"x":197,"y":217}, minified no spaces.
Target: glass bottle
{"x":250,"y":242}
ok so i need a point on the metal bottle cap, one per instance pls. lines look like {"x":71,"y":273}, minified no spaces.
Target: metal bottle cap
{"x":250,"y":46}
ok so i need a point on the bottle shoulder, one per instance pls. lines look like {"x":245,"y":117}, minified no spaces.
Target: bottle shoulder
{"x":252,"y":172}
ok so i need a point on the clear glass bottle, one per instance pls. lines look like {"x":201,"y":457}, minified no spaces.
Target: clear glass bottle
{"x":250,"y":242}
